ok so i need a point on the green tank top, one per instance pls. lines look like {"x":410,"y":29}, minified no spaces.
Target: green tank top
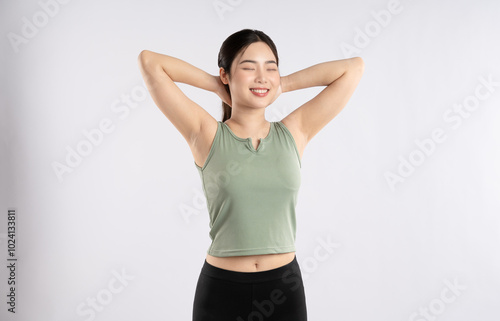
{"x":251,"y":193}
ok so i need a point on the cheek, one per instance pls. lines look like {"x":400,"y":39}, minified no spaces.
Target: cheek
{"x":242,"y":82}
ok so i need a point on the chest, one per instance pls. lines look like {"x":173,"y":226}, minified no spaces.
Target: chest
{"x":260,"y":174}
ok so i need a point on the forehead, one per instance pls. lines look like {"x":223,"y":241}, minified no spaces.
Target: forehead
{"x":256,"y":51}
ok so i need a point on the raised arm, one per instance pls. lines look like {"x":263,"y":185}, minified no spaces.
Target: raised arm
{"x":341,"y":78}
{"x":160,"y":72}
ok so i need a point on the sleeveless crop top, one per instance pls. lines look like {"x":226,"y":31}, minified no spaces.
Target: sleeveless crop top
{"x":251,"y":193}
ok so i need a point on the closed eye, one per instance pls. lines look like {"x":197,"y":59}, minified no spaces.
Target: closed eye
{"x":254,"y":69}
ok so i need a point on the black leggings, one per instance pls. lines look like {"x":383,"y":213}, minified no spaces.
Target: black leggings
{"x":272,"y":295}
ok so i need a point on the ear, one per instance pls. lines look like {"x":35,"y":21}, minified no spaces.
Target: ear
{"x":223,"y":76}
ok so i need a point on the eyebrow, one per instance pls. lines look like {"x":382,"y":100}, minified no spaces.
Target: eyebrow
{"x":253,"y":61}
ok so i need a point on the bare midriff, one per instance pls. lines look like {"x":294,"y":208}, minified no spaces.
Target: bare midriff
{"x":251,"y":263}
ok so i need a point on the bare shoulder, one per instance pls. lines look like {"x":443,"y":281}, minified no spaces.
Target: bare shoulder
{"x":203,"y":140}
{"x":293,"y":125}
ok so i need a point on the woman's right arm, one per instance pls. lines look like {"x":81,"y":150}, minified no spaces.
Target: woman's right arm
{"x":160,"y":72}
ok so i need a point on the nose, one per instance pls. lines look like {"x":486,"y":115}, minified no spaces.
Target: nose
{"x":260,"y":77}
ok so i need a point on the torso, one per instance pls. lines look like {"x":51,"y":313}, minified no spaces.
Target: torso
{"x":247,"y":263}
{"x":251,"y":263}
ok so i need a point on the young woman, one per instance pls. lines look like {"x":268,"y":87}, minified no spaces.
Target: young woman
{"x":250,"y":169}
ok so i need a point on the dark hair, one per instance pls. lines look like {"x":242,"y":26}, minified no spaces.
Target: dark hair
{"x":231,"y":47}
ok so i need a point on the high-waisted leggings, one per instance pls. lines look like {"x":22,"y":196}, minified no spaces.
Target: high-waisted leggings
{"x":272,"y":295}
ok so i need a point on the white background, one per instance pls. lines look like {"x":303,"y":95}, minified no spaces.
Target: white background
{"x":119,"y":210}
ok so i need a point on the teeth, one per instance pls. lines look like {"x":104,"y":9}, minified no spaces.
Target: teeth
{"x":260,"y":91}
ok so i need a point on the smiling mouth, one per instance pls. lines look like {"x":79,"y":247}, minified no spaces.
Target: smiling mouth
{"x":259,"y":91}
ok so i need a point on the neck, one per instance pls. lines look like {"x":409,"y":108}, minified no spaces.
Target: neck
{"x":250,"y":121}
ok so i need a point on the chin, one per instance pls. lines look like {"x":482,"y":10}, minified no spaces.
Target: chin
{"x":262,"y":104}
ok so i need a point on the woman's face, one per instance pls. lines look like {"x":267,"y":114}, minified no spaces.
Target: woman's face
{"x":254,"y":68}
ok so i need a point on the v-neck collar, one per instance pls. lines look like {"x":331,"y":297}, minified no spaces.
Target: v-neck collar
{"x":248,"y":140}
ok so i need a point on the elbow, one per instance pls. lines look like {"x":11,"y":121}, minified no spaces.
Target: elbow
{"x":144,"y":57}
{"x":358,"y":63}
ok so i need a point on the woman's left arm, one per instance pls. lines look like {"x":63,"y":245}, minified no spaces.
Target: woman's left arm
{"x":341,"y":78}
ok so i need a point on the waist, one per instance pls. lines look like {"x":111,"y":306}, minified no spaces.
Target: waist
{"x":251,"y":263}
{"x":283,"y":273}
